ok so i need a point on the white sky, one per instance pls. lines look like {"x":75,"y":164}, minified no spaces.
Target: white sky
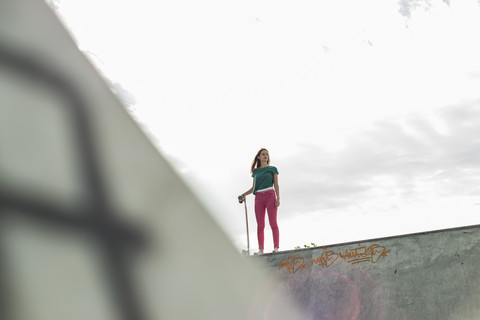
{"x":370,"y":109}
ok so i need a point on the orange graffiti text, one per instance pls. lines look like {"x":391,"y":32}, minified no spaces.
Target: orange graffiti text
{"x":293,"y":264}
{"x":355,"y":255}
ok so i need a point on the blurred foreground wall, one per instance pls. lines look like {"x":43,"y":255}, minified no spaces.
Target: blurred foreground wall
{"x":94,"y":223}
{"x":426,"y":276}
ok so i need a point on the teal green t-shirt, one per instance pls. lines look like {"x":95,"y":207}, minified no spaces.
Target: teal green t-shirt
{"x":263,"y":178}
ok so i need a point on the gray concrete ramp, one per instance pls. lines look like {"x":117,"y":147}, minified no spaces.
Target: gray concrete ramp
{"x":431,"y":275}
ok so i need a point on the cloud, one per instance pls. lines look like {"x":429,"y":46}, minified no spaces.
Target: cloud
{"x":126,"y":97}
{"x":54,"y":4}
{"x":393,"y":160}
{"x":408,"y":6}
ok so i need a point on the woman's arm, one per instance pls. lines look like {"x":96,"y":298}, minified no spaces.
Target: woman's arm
{"x":249,"y":191}
{"x":277,"y":189}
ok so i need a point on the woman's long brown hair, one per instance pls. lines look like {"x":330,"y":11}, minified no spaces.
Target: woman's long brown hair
{"x":256,"y":161}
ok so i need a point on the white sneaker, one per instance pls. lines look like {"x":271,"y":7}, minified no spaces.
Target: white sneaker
{"x":275,"y":250}
{"x":259,"y":253}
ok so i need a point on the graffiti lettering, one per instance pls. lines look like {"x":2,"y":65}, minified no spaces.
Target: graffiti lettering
{"x":326,"y":259}
{"x":364,"y":254}
{"x":293,"y":264}
{"x":356,"y":255}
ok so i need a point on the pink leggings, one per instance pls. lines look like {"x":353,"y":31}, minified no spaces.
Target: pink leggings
{"x":266,"y":200}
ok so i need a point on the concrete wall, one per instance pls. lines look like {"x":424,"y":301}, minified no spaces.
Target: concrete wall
{"x":432,"y":275}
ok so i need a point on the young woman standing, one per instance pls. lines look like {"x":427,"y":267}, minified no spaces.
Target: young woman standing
{"x":267,"y":197}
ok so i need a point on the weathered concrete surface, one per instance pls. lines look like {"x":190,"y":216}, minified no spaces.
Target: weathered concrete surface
{"x":432,"y":275}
